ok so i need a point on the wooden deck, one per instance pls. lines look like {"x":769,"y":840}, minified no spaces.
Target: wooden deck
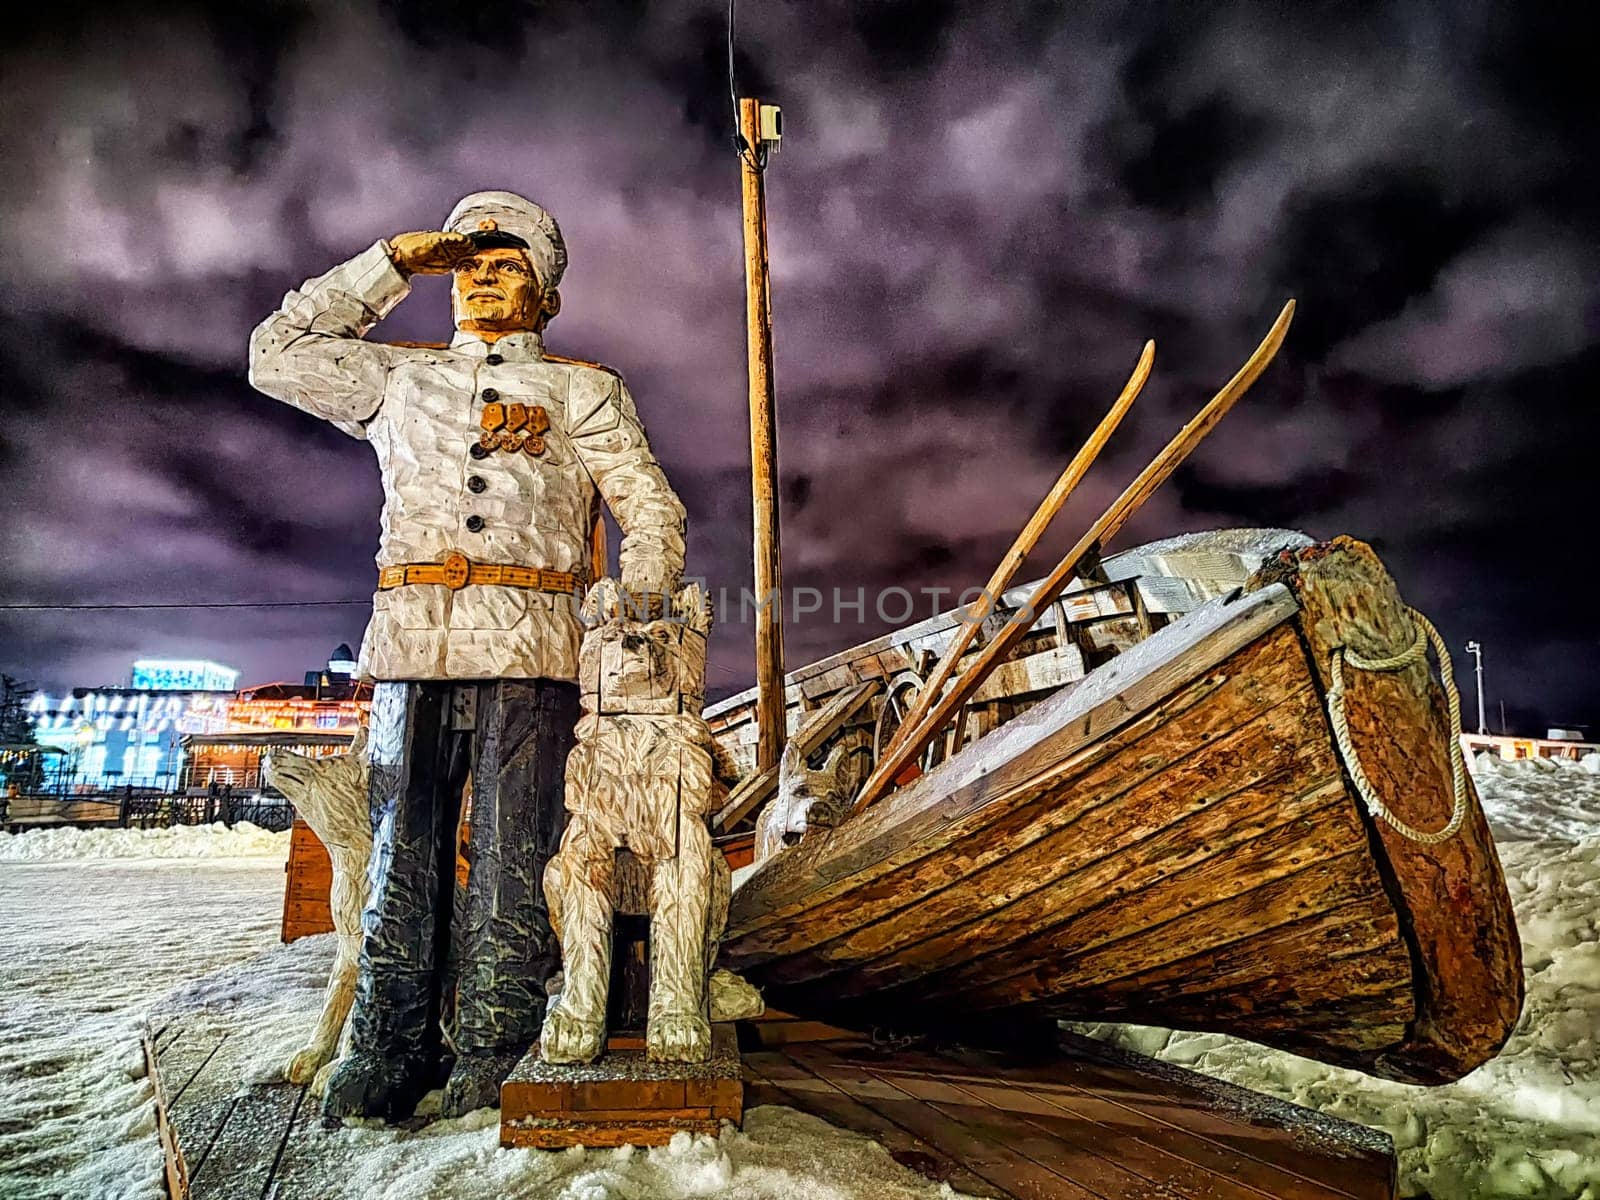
{"x":1095,"y":1124}
{"x":1090,"y":1123}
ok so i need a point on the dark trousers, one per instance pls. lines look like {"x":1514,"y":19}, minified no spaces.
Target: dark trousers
{"x":512,"y":736}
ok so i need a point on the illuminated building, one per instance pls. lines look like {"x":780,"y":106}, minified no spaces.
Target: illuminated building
{"x":118,"y":736}
{"x":316,"y":717}
{"x":176,"y":729}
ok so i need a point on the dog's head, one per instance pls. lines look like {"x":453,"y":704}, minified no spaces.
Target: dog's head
{"x":637,"y":661}
{"x":296,"y":775}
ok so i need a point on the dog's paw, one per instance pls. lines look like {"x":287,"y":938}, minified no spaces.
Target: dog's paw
{"x":306,"y":1063}
{"x":677,"y":1037}
{"x":733,"y":998}
{"x":319,"y":1081}
{"x":567,"y":1039}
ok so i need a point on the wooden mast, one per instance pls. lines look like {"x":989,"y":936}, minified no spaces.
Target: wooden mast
{"x":770,"y":712}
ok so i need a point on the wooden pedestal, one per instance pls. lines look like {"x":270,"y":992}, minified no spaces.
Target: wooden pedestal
{"x":623,"y":1099}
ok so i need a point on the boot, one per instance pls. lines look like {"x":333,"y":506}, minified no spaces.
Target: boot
{"x":505,"y":945}
{"x":394,"y":1050}
{"x":475,"y":1080}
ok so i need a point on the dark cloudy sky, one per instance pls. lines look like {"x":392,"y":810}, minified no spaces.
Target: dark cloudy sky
{"x":979,"y":213}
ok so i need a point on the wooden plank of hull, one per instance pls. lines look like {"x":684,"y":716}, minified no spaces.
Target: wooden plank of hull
{"x":1331,"y":905}
{"x":1451,"y":897}
{"x":1050,"y":742}
{"x":1216,"y":903}
{"x":1168,"y":846}
{"x":1126,"y":833}
{"x":1333,"y":985}
{"x":1119,"y":900}
{"x":1357,"y":954}
{"x":928,"y":893}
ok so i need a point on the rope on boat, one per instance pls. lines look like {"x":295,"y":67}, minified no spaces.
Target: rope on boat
{"x":1416,"y":652}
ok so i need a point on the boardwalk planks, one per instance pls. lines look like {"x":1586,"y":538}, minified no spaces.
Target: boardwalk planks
{"x":1081,"y":1121}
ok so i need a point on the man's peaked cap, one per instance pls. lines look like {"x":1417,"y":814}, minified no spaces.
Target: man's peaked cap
{"x":520,"y":217}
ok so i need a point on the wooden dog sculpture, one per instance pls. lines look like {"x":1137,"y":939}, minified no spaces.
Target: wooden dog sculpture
{"x":331,"y":795}
{"x":809,"y":798}
{"x":640,"y":784}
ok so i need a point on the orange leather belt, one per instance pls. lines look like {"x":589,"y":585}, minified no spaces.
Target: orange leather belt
{"x":457,"y":571}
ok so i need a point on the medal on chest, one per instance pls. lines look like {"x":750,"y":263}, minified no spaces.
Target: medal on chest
{"x":517,"y":428}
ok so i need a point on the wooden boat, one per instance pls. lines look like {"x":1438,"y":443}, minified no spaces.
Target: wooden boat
{"x":1146,"y":816}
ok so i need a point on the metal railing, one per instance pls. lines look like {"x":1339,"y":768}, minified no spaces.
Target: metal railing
{"x":147,"y":810}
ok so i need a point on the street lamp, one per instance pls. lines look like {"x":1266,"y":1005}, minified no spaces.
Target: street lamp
{"x":84,"y":741}
{"x":1476,"y":650}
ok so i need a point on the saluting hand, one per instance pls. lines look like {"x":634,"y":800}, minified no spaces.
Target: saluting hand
{"x":429,"y":252}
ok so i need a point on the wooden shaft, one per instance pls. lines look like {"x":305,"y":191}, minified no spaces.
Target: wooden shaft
{"x":1011,"y":563}
{"x":599,"y":563}
{"x":770,"y":713}
{"x":1102,"y":531}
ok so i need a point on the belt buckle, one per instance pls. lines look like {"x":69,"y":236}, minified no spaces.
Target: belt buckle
{"x":457,"y":569}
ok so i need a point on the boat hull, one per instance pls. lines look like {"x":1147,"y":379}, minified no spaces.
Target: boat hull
{"x":1174,"y":841}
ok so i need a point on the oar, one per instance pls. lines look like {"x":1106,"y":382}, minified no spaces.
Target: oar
{"x":945,"y":707}
{"x":1055,"y":499}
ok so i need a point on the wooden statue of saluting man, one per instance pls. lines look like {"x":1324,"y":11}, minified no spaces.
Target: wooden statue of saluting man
{"x":494,"y":456}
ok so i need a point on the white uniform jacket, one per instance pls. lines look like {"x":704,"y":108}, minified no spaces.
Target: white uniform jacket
{"x":421,"y":409}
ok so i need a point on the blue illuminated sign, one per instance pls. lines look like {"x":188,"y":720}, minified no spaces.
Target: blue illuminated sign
{"x":182,"y":675}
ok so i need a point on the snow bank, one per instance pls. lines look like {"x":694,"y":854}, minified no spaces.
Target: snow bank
{"x":1527,"y":1123}
{"x":1532,"y":798}
{"x":243,"y":840}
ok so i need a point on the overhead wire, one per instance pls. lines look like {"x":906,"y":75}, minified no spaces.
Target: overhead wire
{"x":754,"y":157}
{"x":186,"y":604}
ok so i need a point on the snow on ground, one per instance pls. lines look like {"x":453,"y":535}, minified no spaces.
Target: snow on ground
{"x":243,"y":840}
{"x":780,"y":1153}
{"x":91,"y":946}
{"x":1526,"y":1123}
{"x":86,"y":947}
{"x":1535,"y":799}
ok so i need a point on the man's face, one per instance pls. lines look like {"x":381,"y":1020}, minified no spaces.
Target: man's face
{"x":496,"y":290}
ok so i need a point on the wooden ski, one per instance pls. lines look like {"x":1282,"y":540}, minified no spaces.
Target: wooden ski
{"x":944,"y":707}
{"x":1054,"y":501}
